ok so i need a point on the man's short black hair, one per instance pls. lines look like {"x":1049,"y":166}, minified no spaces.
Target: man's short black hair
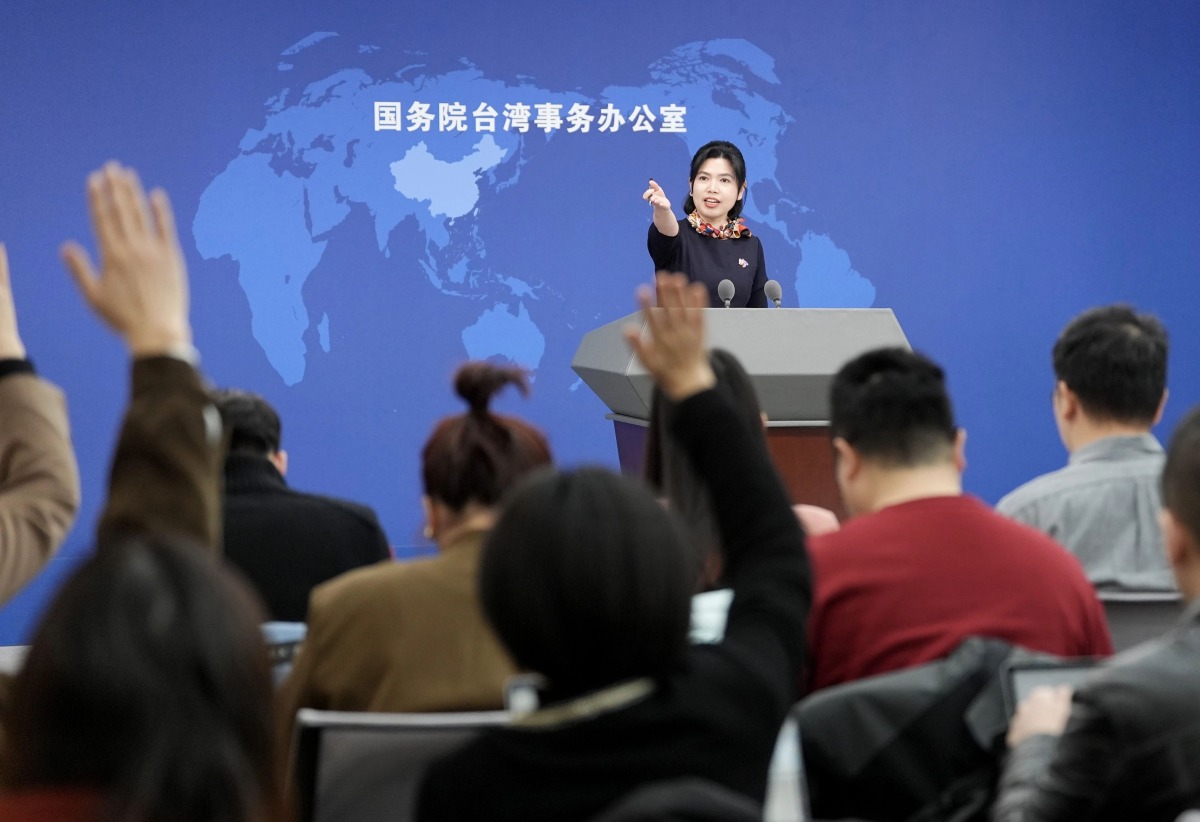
{"x":891,"y":405}
{"x":251,"y":423}
{"x":1115,"y":360}
{"x":1181,"y":474}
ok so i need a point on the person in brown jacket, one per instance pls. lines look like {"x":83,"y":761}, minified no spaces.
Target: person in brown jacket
{"x":412,"y":636}
{"x":39,"y":480}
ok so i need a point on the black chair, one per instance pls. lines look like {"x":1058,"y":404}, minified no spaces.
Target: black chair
{"x":1135,"y":618}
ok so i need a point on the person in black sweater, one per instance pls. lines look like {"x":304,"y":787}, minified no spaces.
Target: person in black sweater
{"x":587,"y":579}
{"x":285,"y":541}
{"x":713,"y":243}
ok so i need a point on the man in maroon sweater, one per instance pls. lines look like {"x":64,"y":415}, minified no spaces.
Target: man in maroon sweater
{"x":921,"y":565}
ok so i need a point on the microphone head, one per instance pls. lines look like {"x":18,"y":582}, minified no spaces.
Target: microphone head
{"x":773,"y":291}
{"x":725,"y":289}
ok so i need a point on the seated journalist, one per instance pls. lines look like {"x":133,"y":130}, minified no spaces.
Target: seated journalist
{"x":1126,"y":744}
{"x":39,"y":480}
{"x":1110,"y":369}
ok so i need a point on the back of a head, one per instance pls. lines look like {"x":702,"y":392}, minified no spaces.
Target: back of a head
{"x":1115,"y":360}
{"x":251,"y":423}
{"x":149,"y":681}
{"x":1181,"y":474}
{"x":891,"y":405}
{"x":477,"y":456}
{"x":587,"y":580}
{"x":667,"y":467}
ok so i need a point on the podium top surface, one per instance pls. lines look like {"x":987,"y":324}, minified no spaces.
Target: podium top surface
{"x":791,"y":355}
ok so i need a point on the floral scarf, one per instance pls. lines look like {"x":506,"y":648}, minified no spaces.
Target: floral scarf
{"x":732,"y":230}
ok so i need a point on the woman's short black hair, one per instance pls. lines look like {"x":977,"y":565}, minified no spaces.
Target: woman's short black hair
{"x":148,"y":680}
{"x":718,"y":150}
{"x":587,"y":580}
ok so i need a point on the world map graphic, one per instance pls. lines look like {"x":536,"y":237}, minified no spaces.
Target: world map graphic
{"x":321,"y":158}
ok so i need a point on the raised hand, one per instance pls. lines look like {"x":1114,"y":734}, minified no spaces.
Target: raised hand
{"x":672,"y":349}
{"x":141,"y":289}
{"x":11,"y":347}
{"x":656,"y":197}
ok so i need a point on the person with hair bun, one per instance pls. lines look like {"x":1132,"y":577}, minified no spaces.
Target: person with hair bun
{"x":411,"y":636}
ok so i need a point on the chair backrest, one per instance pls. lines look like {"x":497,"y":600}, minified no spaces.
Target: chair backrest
{"x":1136,"y":618}
{"x":369,"y":766}
{"x":918,"y":741}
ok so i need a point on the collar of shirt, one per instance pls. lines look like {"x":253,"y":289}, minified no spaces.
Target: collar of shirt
{"x":1117,"y":448}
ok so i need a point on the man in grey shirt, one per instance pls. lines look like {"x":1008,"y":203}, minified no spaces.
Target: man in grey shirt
{"x":1110,"y":364}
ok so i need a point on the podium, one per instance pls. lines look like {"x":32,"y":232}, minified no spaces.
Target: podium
{"x":791,"y":355}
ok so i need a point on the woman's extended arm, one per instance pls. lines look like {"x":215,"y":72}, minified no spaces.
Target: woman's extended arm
{"x":664,"y":217}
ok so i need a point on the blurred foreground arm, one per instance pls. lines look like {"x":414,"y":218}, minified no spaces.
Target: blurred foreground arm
{"x":166,"y":467}
{"x":39,"y":481}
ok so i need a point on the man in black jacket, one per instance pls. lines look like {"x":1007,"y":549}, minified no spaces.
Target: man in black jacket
{"x":1126,"y":744}
{"x":284,"y":540}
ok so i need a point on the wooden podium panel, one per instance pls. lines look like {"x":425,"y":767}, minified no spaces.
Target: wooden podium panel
{"x":802,"y":455}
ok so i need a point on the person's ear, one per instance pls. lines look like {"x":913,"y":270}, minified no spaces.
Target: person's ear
{"x":430,"y":530}
{"x":960,"y":450}
{"x":763,"y":414}
{"x":742,"y":193}
{"x":280,"y":460}
{"x":1178,"y":543}
{"x":1066,"y":402}
{"x":846,"y":461}
{"x":1162,"y":404}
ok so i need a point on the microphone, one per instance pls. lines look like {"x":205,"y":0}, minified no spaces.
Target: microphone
{"x":725,"y":291}
{"x":773,"y":291}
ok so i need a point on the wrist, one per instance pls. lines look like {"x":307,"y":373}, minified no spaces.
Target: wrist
{"x":683,"y":384}
{"x":11,"y":348}
{"x":160,"y":342}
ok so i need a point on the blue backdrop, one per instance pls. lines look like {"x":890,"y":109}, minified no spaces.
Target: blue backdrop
{"x":987,"y":170}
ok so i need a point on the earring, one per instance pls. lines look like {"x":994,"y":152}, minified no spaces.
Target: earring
{"x":428,"y":532}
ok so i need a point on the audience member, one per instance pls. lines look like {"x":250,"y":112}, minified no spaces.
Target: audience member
{"x":1111,"y":370}
{"x":146,"y":692}
{"x":1126,"y":745}
{"x":921,"y":566}
{"x":285,"y":541}
{"x":39,"y":481}
{"x":146,"y":695}
{"x":586,"y":579}
{"x":411,"y":636}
